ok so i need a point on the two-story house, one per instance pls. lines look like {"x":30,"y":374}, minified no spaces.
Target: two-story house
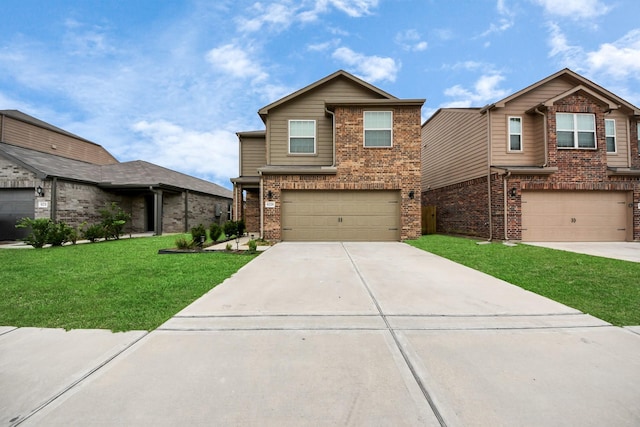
{"x":339,"y":160}
{"x":556,"y":161}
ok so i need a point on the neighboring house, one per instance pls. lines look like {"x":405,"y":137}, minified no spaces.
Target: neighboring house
{"x":46,"y":172}
{"x":339,"y":160}
{"x":556,"y":161}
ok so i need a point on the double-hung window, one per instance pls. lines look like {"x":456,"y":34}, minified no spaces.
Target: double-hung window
{"x":378,"y":129}
{"x":302,"y":136}
{"x":576,"y":130}
{"x":515,"y":133}
{"x":610,"y":134}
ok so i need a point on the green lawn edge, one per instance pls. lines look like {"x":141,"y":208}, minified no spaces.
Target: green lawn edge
{"x":120,"y":285}
{"x":605,"y":288}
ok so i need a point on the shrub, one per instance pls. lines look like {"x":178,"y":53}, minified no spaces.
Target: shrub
{"x":93,"y":233}
{"x":241,"y":227}
{"x":113,"y":221}
{"x":39,"y":230}
{"x":230,"y":228}
{"x":199,"y":234}
{"x":182,"y":243}
{"x":228,"y":247}
{"x":253,"y":246}
{"x":59,"y":233}
{"x":215,"y":231}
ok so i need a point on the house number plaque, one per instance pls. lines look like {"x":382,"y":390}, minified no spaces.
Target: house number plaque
{"x":270,"y":204}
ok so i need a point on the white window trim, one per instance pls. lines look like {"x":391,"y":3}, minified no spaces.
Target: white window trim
{"x":576,"y":131}
{"x":509,"y":135}
{"x":638,"y":136}
{"x":315,"y":138}
{"x":615,"y":138}
{"x":365,"y":129}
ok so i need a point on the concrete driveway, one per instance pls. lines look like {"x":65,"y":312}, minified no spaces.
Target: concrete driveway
{"x":348,"y":334}
{"x":626,"y":251}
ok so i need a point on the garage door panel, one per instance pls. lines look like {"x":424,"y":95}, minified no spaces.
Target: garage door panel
{"x":15,"y":204}
{"x":340,"y":215}
{"x":574,"y":216}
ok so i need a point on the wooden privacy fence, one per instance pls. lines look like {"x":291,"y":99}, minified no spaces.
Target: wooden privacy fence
{"x":428,"y":220}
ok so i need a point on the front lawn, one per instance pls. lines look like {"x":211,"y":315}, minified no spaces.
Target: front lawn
{"x":119,"y":285}
{"x":606,"y":288}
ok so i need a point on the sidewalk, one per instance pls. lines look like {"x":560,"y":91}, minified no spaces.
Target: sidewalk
{"x":337,"y":334}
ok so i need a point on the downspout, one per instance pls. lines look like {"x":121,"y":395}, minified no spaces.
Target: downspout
{"x":488,"y":112}
{"x":546,"y":136}
{"x":333,"y":126}
{"x":505,"y":177}
{"x":261,"y":206}
{"x":629,"y":124}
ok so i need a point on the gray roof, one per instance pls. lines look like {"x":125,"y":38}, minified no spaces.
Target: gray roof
{"x":134,"y":174}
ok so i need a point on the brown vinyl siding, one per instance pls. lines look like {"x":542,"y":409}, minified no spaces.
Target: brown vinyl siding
{"x":458,"y":139}
{"x":620,"y":158}
{"x":253,"y":156}
{"x":532,"y":126}
{"x":26,"y":135}
{"x":310,"y":106}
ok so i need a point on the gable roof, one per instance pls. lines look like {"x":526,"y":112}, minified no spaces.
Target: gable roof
{"x":338,"y":74}
{"x":126,"y":175}
{"x":578,"y":81}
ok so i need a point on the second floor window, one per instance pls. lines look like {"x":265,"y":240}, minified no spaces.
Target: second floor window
{"x":377,"y":129}
{"x":515,"y":134}
{"x":302,"y":136}
{"x":610,"y":134}
{"x":576,"y":130}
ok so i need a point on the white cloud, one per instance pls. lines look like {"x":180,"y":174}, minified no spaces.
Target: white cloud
{"x":278,"y":16}
{"x":574,"y":9}
{"x":411,"y":40}
{"x":369,"y":68}
{"x":505,"y":21}
{"x":212,"y":154}
{"x":353,"y":8}
{"x":485,"y":90}
{"x":235,"y":61}
{"x":274,"y":16}
{"x":620,"y":59}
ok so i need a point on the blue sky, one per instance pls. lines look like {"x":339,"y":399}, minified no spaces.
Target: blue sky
{"x":171,"y":81}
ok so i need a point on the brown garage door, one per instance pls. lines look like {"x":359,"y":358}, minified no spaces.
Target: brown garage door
{"x":341,"y":215}
{"x":574,"y":216}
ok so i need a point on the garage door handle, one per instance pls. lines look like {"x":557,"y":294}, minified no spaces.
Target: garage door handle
{"x":287,"y":229}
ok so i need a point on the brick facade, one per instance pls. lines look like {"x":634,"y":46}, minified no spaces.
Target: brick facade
{"x":462,"y":208}
{"x":360,"y":168}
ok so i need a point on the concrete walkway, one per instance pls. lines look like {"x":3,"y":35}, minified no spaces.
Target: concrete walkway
{"x":338,"y":334}
{"x":626,"y":251}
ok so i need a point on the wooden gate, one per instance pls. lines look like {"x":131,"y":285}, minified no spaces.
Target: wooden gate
{"x":428,"y":220}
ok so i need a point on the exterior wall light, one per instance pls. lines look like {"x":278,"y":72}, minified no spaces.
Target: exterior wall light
{"x":412,"y":194}
{"x":269,"y":194}
{"x":40,"y":191}
{"x":513,"y":192}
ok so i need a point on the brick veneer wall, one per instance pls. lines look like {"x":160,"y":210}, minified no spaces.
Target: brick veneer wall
{"x":461,"y":208}
{"x":578,"y":169}
{"x":252,"y":211}
{"x":360,"y":168}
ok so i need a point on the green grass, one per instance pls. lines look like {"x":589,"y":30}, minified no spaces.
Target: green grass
{"x":606,"y":288}
{"x":119,"y":285}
